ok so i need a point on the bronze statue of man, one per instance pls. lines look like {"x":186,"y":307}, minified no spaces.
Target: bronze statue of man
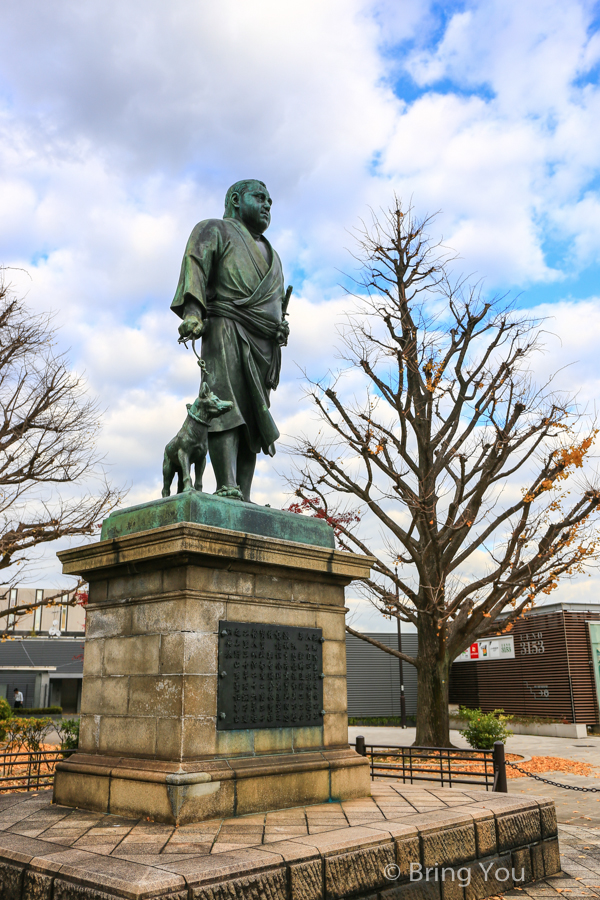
{"x":231,"y":293}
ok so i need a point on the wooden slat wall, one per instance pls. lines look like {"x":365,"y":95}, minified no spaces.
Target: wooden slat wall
{"x":516,"y":685}
{"x":582,"y":675}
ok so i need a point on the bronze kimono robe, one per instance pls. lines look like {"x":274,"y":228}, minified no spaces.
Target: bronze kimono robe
{"x":241,"y":296}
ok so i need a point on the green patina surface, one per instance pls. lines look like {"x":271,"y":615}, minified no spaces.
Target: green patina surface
{"x":206,"y":509}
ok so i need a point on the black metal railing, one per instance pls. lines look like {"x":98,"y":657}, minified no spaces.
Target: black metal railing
{"x":443,"y":765}
{"x":29,"y":770}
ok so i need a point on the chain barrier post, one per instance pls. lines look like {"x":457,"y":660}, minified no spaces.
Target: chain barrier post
{"x":500,"y":785}
{"x":360,"y":745}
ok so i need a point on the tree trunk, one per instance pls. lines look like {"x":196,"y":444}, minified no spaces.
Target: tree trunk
{"x":433,"y":676}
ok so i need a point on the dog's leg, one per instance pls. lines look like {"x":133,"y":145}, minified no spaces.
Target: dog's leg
{"x":184,"y":462}
{"x":168,"y":473}
{"x":199,"y":466}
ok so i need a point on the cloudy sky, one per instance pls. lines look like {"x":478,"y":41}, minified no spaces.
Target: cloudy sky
{"x":124,"y":123}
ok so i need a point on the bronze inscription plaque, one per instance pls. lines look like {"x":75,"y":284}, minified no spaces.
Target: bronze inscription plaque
{"x":270,"y":676}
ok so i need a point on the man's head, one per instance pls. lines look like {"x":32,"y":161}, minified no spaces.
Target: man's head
{"x":249,"y":201}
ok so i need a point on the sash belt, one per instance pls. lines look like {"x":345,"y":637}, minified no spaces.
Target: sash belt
{"x":258,"y":325}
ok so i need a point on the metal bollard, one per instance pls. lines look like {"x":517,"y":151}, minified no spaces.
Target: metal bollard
{"x":360,"y":745}
{"x":500,"y":785}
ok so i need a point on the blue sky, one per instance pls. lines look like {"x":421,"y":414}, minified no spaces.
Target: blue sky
{"x":123,"y":124}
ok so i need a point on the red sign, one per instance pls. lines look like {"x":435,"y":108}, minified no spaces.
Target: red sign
{"x":474,"y":651}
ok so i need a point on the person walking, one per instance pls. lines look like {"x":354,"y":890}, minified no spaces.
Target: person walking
{"x":18,"y":702}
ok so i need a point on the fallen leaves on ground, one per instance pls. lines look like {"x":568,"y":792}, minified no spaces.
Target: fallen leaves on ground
{"x":541,"y":764}
{"x":538,"y":765}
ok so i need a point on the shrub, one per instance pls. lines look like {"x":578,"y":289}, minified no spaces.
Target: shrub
{"x":68,"y":732}
{"x":5,"y":714}
{"x":34,"y":732}
{"x":484,"y":729}
{"x":41,"y":711}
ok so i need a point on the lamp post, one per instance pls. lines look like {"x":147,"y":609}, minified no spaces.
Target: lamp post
{"x":402,"y":697}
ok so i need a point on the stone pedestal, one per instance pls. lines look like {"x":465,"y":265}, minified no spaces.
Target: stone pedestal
{"x":149,"y":744}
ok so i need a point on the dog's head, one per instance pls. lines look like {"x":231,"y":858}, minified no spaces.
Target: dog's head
{"x":208,"y":406}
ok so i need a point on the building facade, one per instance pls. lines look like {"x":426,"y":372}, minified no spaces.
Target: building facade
{"x":41,"y":653}
{"x":554,"y":672}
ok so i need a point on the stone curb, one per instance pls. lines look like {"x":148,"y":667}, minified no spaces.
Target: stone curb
{"x":479,"y":842}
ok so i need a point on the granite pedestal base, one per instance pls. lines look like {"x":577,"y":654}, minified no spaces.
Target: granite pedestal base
{"x":462,"y":845}
{"x":159,"y":602}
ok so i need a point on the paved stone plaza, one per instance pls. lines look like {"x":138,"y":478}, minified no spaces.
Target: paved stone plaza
{"x":325,"y":852}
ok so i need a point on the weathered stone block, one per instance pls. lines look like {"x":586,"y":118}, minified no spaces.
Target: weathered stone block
{"x":64,"y":890}
{"x":335,"y":730}
{"x":93,"y":658}
{"x":452,"y":887}
{"x":11,"y":880}
{"x":548,"y":820}
{"x":37,"y":886}
{"x":485,"y":836}
{"x":408,"y":850}
{"x":306,"y":880}
{"x":334,"y":658}
{"x":207,"y":801}
{"x":263,"y":886}
{"x":75,"y":789}
{"x":98,"y":590}
{"x":127,"y":798}
{"x":156,"y":695}
{"x":315,"y":592}
{"x":203,"y":615}
{"x":169,"y":738}
{"x":516,"y":829}
{"x":127,"y":587}
{"x":200,"y":695}
{"x":350,"y":782}
{"x":198,"y":737}
{"x":489,"y":877}
{"x":267,"y":791}
{"x":308,"y":738}
{"x":273,"y":740}
{"x":255,"y":611}
{"x":188,"y":652}
{"x":334,"y":694}
{"x":108,"y":622}
{"x":127,"y":736}
{"x":272,"y":587}
{"x":222,"y":582}
{"x":104,"y":696}
{"x":159,"y":616}
{"x":358,"y":872}
{"x":537,"y":861}
{"x":235,"y":743}
{"x":551,"y":857}
{"x":449,"y":846}
{"x":175,"y":579}
{"x":522,"y":869}
{"x":333,"y":625}
{"x":137,"y":655}
{"x":89,"y":733}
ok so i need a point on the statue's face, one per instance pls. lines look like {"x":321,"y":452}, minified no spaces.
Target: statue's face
{"x":254,"y":208}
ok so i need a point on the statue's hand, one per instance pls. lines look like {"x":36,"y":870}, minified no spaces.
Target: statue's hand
{"x":191,"y":328}
{"x":283,"y":333}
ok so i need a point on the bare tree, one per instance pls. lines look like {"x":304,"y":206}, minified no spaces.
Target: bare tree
{"x":461,"y":460}
{"x":48,"y":432}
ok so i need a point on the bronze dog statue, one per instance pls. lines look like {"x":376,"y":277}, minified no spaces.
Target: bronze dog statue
{"x":190,"y":445}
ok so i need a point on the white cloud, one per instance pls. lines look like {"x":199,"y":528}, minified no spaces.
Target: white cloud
{"x":121,"y":125}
